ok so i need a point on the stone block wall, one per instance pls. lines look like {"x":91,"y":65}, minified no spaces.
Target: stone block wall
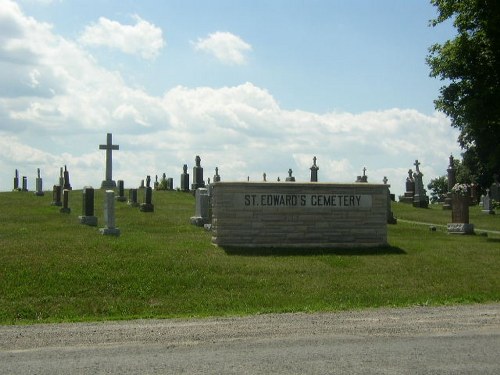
{"x":267,"y":214}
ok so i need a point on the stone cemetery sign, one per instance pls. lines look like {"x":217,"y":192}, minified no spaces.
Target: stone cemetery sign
{"x":108,"y":183}
{"x":272,"y":214}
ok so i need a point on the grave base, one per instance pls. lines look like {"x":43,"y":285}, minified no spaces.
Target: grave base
{"x":65,"y":210}
{"x":88,"y":220}
{"x":489,"y":212}
{"x":106,"y":184}
{"x":147,"y":207}
{"x":460,"y":228}
{"x":405,"y":199}
{"x":198,"y":221}
{"x":39,"y":193}
{"x":110,"y":231}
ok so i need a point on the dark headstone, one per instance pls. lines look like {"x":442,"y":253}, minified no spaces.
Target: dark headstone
{"x":65,"y":208}
{"x":147,"y":206}
{"x":56,"y":196}
{"x":216,"y":176}
{"x":88,"y":217}
{"x":198,"y":181}
{"x":39,"y":188}
{"x":121,"y":192}
{"x":314,"y":171}
{"x":132,"y":198}
{"x":67,"y":185}
{"x":185,"y":179}
{"x":16,"y":181}
{"x":25,"y":183}
{"x":290,"y":178}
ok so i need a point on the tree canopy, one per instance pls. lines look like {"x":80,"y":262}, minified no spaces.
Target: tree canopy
{"x":470,"y":67}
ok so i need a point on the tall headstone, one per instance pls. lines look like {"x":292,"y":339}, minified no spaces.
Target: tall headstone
{"x":264,"y":177}
{"x":420,"y":199}
{"x":25,"y":183}
{"x":109,"y":215}
{"x":487,"y":204}
{"x":202,"y":208}
{"x":39,"y":188}
{"x":65,"y":208}
{"x":409,"y":189}
{"x":314,"y":171}
{"x":16,"y":181}
{"x":132,"y":198}
{"x":170,"y":183}
{"x":451,"y":182}
{"x":121,"y":192}
{"x":185,"y":179}
{"x":56,"y":196}
{"x":216,"y":176}
{"x":67,"y":184}
{"x":290,"y":178}
{"x":198,"y":181}
{"x":61,"y":178}
{"x":109,"y":147}
{"x":87,"y":216}
{"x":147,"y":206}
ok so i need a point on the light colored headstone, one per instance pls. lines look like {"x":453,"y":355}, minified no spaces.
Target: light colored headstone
{"x":202,"y":208}
{"x":109,"y":215}
{"x":109,"y":147}
{"x":39,"y":188}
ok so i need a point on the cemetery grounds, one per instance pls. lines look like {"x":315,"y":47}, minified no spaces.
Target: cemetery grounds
{"x":53,"y":269}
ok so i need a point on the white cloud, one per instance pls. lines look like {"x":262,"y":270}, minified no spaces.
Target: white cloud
{"x":60,"y":104}
{"x":143,"y":38}
{"x":226,"y":47}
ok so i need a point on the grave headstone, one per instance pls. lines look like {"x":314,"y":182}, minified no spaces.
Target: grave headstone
{"x":290,"y":178}
{"x":363,"y":178}
{"x":61,"y":178}
{"x":185,"y":179}
{"x":198,"y":181}
{"x":410,"y":189}
{"x":121,"y":192}
{"x":202,"y":208}
{"x":132,"y":198}
{"x":216,"y":176}
{"x":451,"y":182}
{"x":56,"y":196}
{"x":314,"y":171}
{"x":39,"y":188}
{"x":87,"y":216}
{"x":460,"y":211}
{"x":157,"y":184}
{"x":109,"y":215}
{"x":65,"y":208}
{"x":25,"y":183}
{"x":488,"y":204}
{"x":16,"y":181}
{"x":264,"y":176}
{"x":474,"y":194}
{"x":67,"y":184}
{"x":170,"y":183}
{"x":109,"y":147}
{"x":147,"y":206}
{"x":420,"y":199}
{"x":142,"y":186}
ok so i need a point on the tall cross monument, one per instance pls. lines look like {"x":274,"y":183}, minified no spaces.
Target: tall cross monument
{"x":108,"y":183}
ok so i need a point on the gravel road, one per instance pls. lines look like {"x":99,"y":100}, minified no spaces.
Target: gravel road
{"x":420,"y":340}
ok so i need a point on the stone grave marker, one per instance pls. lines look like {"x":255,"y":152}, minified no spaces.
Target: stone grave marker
{"x":65,"y":208}
{"x":147,"y":206}
{"x":87,"y":216}
{"x":202,"y":208}
{"x":451,"y":182}
{"x":185,"y":179}
{"x":56,"y":196}
{"x":25,"y":183}
{"x":314,"y":171}
{"x":170,"y":183}
{"x":109,"y":147}
{"x":216,"y":176}
{"x":67,"y":184}
{"x":121,"y":192}
{"x":488,"y":204}
{"x":460,"y":211}
{"x":16,"y":181}
{"x":39,"y":188}
{"x":390,"y":215}
{"x":198,"y":181}
{"x":109,"y":215}
{"x":410,"y":189}
{"x":420,"y":199}
{"x":132,"y":198}
{"x":61,"y":178}
{"x":290,"y":178}
{"x":363,"y":178}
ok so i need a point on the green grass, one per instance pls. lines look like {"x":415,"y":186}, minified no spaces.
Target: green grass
{"x":54,"y":269}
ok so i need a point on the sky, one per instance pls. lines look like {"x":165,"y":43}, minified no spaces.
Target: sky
{"x":251,"y":87}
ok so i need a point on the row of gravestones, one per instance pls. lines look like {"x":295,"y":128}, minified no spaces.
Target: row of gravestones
{"x":63,"y":182}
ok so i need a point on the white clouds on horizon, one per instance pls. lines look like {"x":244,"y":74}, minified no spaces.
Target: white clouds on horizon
{"x":226,"y":47}
{"x":61,"y":103}
{"x":143,"y":38}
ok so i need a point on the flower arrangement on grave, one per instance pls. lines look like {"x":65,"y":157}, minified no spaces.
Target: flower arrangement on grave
{"x":461,"y":190}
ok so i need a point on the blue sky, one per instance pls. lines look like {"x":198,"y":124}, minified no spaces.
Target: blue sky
{"x":250,"y":86}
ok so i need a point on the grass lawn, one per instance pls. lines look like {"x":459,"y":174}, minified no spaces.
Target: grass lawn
{"x":54,"y":269}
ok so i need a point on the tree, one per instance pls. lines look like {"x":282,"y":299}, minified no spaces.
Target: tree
{"x":470,"y":65}
{"x":438,"y":188}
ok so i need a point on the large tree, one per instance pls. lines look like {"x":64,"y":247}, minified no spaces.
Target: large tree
{"x":470,"y":67}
